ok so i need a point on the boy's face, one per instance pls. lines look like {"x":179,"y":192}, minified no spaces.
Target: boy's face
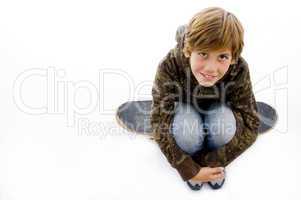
{"x":208,"y":67}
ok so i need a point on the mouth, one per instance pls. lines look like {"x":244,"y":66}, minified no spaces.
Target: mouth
{"x":207,"y":76}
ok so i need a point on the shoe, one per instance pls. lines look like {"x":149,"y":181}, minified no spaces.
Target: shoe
{"x":216,"y":184}
{"x":194,"y":186}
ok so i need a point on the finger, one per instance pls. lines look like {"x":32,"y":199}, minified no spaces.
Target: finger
{"x":217,"y":173}
{"x":217,"y":170}
{"x":217,"y":176}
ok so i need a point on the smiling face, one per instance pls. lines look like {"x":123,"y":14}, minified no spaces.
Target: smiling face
{"x":210,"y":66}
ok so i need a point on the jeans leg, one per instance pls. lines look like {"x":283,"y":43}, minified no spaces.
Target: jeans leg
{"x":187,"y":128}
{"x":221,"y":125}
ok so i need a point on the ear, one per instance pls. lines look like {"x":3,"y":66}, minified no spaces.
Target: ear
{"x":186,"y":54}
{"x":233,"y":61}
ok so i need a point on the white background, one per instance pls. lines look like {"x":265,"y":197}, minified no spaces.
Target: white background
{"x":68,"y":152}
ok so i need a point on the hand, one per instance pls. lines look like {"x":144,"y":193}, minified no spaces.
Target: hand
{"x":209,"y":174}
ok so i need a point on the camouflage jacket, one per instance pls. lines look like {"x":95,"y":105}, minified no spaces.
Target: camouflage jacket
{"x":173,"y":82}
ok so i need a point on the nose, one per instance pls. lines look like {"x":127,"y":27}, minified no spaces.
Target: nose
{"x":210,"y":66}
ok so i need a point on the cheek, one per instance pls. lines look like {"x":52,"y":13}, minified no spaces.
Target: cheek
{"x":223,"y":68}
{"x":197,"y":64}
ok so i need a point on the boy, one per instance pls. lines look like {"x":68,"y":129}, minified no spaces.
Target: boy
{"x":204,"y":110}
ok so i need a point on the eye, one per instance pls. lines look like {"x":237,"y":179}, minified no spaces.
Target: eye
{"x":223,"y":57}
{"x":202,"y":54}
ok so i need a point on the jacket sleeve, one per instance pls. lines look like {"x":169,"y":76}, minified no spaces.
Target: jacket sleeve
{"x":243,"y":104}
{"x":164,"y":95}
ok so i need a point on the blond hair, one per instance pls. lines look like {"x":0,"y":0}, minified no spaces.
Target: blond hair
{"x":214,"y":28}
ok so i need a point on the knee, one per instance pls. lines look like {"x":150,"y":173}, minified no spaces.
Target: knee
{"x":186,"y":119}
{"x":187,"y":128}
{"x":221,"y":124}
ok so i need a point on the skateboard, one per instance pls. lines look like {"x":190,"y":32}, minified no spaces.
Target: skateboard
{"x":134,"y":116}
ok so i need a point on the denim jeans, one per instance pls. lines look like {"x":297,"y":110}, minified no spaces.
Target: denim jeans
{"x":194,"y":129}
